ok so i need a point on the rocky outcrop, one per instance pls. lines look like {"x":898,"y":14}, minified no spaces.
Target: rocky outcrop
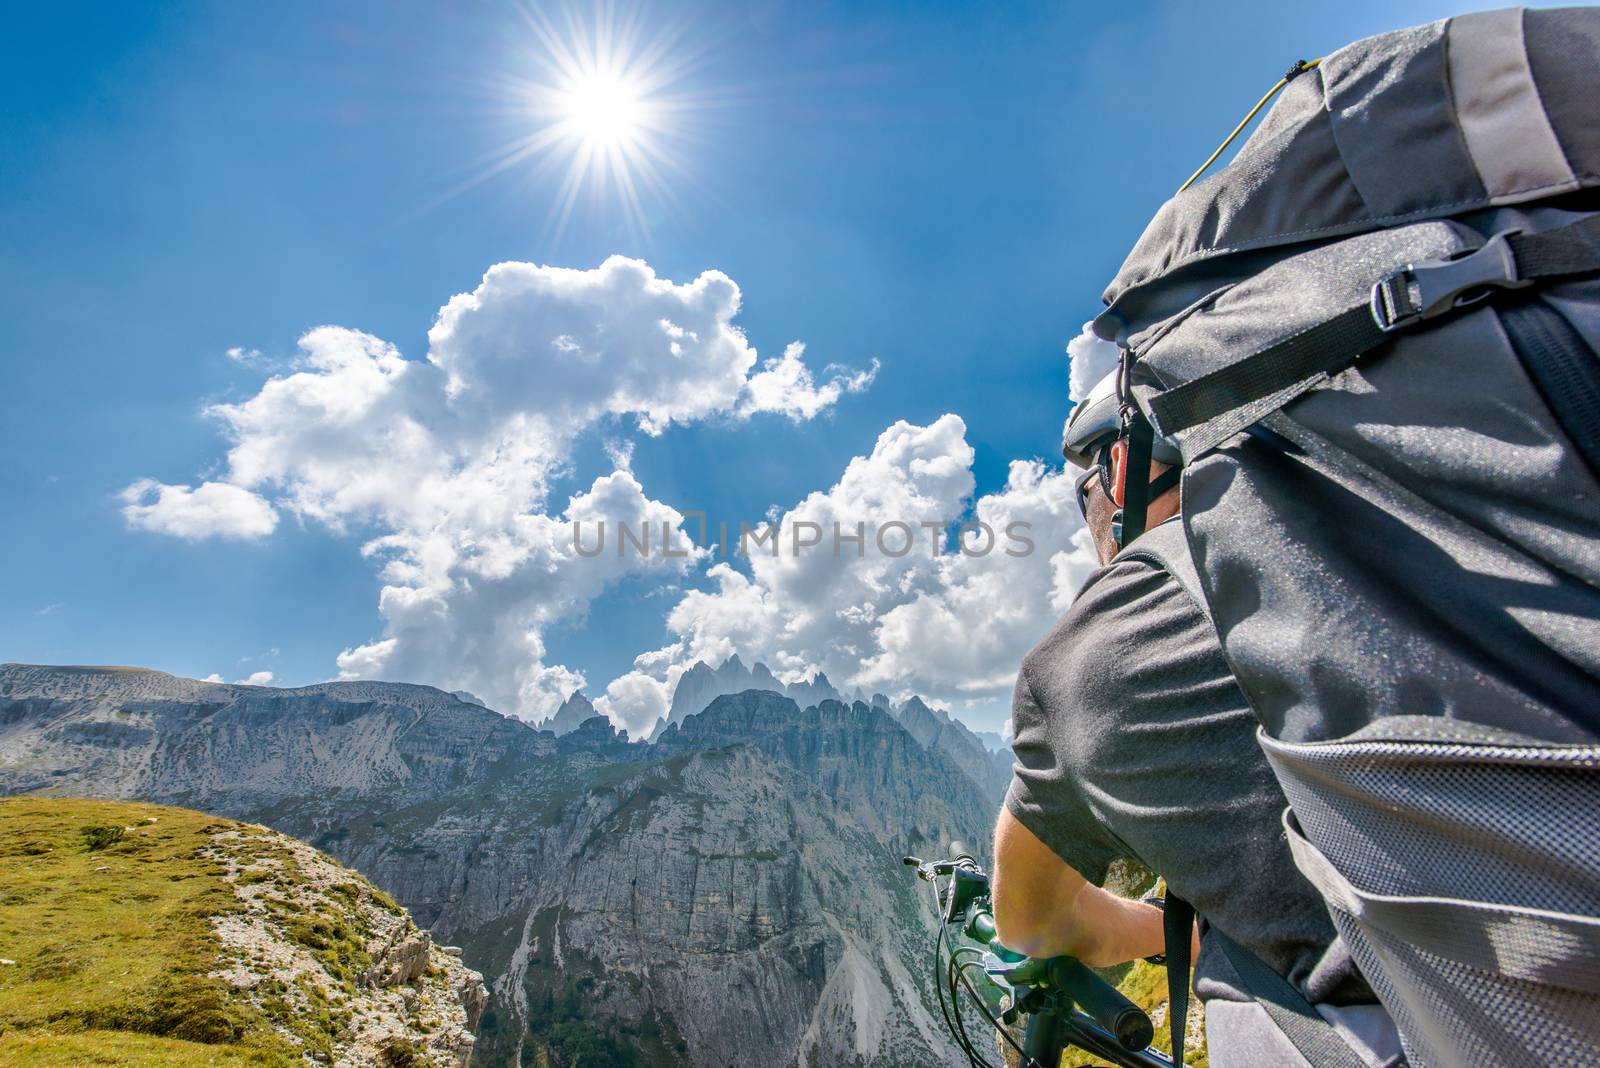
{"x":399,"y":960}
{"x":732,"y":886}
{"x":299,"y":944}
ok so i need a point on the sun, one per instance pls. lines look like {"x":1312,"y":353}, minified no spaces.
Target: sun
{"x":605,"y":110}
{"x":603,"y":96}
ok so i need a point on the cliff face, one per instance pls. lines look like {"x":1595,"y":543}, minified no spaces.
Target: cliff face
{"x":727,"y":892}
{"x":934,"y":729}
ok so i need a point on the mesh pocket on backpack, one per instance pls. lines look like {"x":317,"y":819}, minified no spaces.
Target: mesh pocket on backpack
{"x":1463,"y":871}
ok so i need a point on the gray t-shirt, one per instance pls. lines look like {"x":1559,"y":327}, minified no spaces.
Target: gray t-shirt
{"x":1133,"y":740}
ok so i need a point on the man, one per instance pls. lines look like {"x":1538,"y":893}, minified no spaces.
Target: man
{"x":1132,"y":740}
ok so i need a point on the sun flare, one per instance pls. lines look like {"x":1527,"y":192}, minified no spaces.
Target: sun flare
{"x":604,"y":110}
{"x":605,"y":102}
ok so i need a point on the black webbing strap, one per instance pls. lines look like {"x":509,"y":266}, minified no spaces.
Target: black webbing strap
{"x":1573,"y":249}
{"x":1317,"y":1040}
{"x":1232,"y":398}
{"x":1177,"y":923}
{"x":1161,"y":483}
{"x":1136,"y":479}
{"x":1303,"y":359}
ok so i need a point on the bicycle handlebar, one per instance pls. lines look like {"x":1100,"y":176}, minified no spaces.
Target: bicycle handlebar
{"x":1098,"y":1018}
{"x":961,"y":858}
{"x":1104,"y":1003}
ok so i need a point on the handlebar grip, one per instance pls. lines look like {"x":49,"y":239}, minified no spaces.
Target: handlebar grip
{"x":1104,"y":1003}
{"x":960,"y":857}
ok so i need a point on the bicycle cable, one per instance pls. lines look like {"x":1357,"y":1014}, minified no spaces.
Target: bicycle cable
{"x":956,"y":974}
{"x":998,"y":1025}
{"x":953,"y":975}
{"x":954,"y":1027}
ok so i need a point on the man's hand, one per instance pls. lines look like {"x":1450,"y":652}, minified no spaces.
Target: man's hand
{"x":1043,"y":908}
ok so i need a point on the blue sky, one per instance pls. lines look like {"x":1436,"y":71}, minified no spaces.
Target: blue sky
{"x":942,"y":188}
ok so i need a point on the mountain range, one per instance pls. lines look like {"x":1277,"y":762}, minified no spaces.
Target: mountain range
{"x":987,"y":761}
{"x":727,"y":892}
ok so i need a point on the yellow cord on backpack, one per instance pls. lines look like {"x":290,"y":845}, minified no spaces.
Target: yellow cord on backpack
{"x":1293,"y":72}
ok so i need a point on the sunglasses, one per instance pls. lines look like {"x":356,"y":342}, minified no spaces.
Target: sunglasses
{"x":1102,"y":471}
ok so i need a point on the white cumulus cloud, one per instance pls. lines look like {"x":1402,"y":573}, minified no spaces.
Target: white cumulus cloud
{"x":209,"y":510}
{"x":476,"y":616}
{"x":255,"y":678}
{"x":1090,"y":358}
{"x":966,"y":633}
{"x":444,"y":465}
{"x":634,"y":702}
{"x":785,"y":385}
{"x":908,"y":611}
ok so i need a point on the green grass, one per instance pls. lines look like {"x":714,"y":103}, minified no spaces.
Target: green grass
{"x":105,"y":908}
{"x":1146,"y":986}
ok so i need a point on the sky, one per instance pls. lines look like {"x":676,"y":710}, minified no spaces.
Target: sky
{"x":322,"y":327}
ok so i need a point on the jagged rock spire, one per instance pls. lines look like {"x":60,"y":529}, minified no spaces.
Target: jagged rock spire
{"x":573,"y":711}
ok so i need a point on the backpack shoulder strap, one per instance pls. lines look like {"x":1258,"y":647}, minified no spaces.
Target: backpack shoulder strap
{"x":1317,"y":1040}
{"x":1177,"y":920}
{"x":1166,"y":546}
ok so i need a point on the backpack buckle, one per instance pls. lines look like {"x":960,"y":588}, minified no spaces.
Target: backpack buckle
{"x":1425,"y":290}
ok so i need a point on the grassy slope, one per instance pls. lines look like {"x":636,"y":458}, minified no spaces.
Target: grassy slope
{"x":112,"y":941}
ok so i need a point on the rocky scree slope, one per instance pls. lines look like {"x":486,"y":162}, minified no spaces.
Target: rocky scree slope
{"x":730,"y":890}
{"x":143,"y":934}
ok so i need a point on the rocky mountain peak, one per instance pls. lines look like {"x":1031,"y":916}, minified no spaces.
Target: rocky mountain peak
{"x":573,"y":713}
{"x":932,"y":727}
{"x":595,"y":728}
{"x":916,"y":707}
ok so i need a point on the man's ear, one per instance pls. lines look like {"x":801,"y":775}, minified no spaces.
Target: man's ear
{"x":1119,"y":471}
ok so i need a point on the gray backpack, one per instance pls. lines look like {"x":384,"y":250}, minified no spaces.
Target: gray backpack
{"x":1373,"y":339}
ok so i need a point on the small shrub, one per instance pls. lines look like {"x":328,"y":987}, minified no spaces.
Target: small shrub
{"x":100,"y":835}
{"x":212,"y":1026}
{"x":399,"y":1053}
{"x":59,"y":966}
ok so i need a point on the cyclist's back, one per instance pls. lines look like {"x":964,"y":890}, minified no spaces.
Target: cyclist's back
{"x":1133,"y":741}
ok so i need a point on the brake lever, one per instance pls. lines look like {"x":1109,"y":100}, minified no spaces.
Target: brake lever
{"x":1011,"y":971}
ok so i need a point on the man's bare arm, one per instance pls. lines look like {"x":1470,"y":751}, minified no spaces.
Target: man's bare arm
{"x":1043,"y":908}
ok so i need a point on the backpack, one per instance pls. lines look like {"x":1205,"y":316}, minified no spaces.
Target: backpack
{"x":1372,"y":338}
